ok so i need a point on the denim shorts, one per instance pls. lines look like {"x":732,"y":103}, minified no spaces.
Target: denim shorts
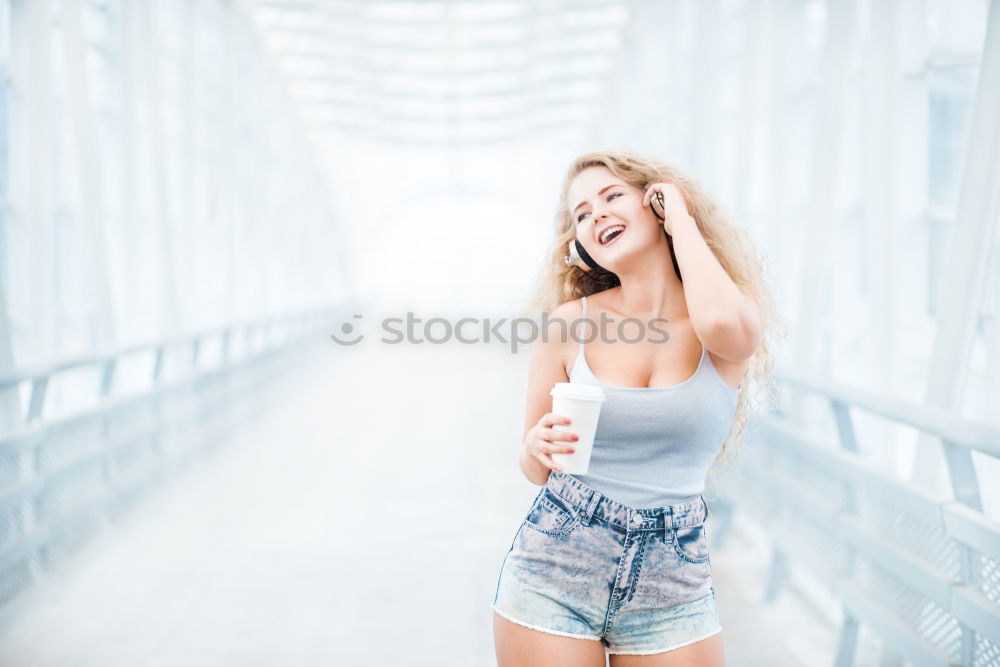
{"x":583,"y":565}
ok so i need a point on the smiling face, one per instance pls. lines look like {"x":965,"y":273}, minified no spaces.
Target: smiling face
{"x":601,"y":203}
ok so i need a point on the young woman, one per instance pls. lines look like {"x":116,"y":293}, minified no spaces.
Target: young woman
{"x":617,"y":559}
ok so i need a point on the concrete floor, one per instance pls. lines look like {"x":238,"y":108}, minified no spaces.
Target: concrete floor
{"x":353,"y":524}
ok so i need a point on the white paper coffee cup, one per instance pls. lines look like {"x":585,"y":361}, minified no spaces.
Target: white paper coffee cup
{"x":582,"y":404}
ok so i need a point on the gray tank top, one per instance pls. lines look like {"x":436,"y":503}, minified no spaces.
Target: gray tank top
{"x":654,"y":445}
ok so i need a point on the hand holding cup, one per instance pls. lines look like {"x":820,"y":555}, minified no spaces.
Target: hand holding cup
{"x":543,"y":440}
{"x":581,"y":403}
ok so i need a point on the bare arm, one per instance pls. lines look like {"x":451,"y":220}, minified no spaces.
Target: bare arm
{"x":547,"y":368}
{"x":726,"y":320}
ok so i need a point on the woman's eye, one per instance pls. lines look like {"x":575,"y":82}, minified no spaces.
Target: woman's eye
{"x":580,"y":217}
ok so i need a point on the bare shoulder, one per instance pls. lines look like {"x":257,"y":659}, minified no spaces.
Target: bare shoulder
{"x":559,"y":330}
{"x":568,"y":310}
{"x":561,"y":319}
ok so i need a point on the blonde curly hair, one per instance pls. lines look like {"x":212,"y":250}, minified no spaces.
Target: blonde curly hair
{"x":559,"y":282}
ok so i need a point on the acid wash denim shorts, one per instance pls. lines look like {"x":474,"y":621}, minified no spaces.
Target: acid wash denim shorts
{"x":583,"y":565}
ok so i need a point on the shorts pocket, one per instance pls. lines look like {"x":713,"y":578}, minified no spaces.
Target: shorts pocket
{"x":551,"y":514}
{"x":691,"y":543}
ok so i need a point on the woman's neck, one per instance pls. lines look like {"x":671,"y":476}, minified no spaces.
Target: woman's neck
{"x":650,"y":288}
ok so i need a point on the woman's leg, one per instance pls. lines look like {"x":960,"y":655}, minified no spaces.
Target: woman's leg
{"x":519,"y":646}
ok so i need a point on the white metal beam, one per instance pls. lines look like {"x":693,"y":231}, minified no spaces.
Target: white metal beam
{"x":879,"y":188}
{"x":147,"y":51}
{"x":962,"y":281}
{"x":32,"y":287}
{"x":89,"y":169}
{"x":813,"y":328}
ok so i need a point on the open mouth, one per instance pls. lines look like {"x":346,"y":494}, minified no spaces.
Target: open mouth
{"x":609,"y":235}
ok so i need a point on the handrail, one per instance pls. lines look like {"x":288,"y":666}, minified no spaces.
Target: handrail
{"x":932,"y":419}
{"x":62,"y":477}
{"x":40,"y":376}
{"x":103,"y":357}
{"x":914,"y":567}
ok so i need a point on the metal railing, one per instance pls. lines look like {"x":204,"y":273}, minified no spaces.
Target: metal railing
{"x":921,"y":572}
{"x":62,"y":478}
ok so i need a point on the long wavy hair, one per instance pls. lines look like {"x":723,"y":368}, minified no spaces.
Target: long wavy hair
{"x":559,"y":282}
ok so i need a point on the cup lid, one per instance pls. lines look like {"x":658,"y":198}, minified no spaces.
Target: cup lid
{"x":577,"y":390}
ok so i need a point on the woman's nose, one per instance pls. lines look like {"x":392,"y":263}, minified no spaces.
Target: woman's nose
{"x":599,"y":214}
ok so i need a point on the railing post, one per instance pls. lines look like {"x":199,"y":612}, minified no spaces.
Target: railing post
{"x":195,"y":351}
{"x":845,"y":426}
{"x":848,"y":640}
{"x":37,"y":401}
{"x":224,"y":353}
{"x":968,"y":575}
{"x":158,"y":365}
{"x":108,"y":377}
{"x":107,"y":384}
{"x":776,"y":575}
{"x":962,"y":474}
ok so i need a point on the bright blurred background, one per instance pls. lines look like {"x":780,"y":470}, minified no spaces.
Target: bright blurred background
{"x":195,"y":194}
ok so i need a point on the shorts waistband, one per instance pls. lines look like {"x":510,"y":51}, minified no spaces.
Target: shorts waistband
{"x":592,"y":503}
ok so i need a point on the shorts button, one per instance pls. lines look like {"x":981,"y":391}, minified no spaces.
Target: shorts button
{"x":636,"y":519}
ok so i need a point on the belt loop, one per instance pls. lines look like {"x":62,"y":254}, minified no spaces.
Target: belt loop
{"x":668,"y":525}
{"x":705,"y":503}
{"x":587,"y":514}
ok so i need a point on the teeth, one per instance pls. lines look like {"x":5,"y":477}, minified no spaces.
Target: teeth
{"x":604,"y":234}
